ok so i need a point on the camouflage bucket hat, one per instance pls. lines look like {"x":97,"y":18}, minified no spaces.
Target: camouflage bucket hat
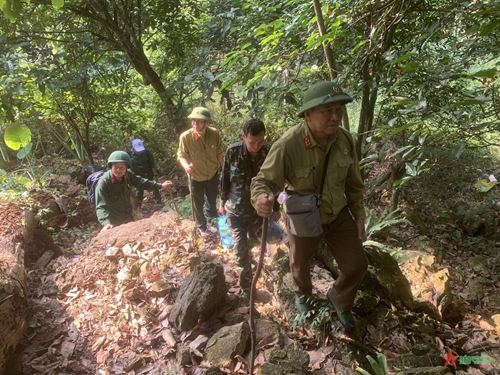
{"x":200,"y":113}
{"x":323,"y":93}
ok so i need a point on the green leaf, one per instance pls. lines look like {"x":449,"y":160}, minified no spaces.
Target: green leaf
{"x":484,"y":185}
{"x":375,"y":366}
{"x":383,"y":362}
{"x":487,"y":73}
{"x":361,"y":371}
{"x":489,"y":27}
{"x":457,"y":150}
{"x":57,"y":4}
{"x":24,"y":151}
{"x":17,"y":135}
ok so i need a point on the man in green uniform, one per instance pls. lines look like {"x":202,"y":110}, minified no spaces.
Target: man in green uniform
{"x":295,"y":163}
{"x":200,"y":154}
{"x":242,"y":162}
{"x":143,"y":165}
{"x":112,"y":192}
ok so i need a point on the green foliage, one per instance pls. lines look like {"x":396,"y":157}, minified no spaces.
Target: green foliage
{"x":11,"y":184}
{"x":375,"y":224}
{"x":183,"y":204}
{"x":315,"y":318}
{"x":379,"y":368}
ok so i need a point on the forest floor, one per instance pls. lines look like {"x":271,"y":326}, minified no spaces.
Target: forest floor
{"x":88,"y":314}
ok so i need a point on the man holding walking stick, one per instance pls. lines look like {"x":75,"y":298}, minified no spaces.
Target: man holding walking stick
{"x":316,"y":165}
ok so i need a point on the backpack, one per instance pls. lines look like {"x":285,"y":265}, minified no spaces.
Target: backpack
{"x":91,"y":183}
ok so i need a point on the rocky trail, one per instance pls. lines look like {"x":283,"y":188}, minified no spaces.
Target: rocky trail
{"x":148,"y":298}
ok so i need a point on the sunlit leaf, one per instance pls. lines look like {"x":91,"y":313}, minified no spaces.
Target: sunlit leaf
{"x":484,"y":185}
{"x":17,"y":135}
{"x":57,"y":4}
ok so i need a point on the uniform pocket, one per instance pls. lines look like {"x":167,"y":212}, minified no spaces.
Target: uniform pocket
{"x":343,"y":165}
{"x":304,"y":178}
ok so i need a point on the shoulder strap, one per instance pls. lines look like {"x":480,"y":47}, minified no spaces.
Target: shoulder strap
{"x":327,"y":159}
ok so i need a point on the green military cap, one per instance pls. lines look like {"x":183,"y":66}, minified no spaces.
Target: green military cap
{"x":323,"y":93}
{"x":119,"y":157}
{"x":200,"y":113}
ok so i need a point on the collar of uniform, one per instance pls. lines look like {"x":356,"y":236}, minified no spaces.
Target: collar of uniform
{"x":197,"y":135}
{"x":245,"y":152}
{"x":113,"y":179}
{"x":309,"y":138}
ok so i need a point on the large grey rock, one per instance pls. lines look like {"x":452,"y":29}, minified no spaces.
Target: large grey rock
{"x":291,"y":359}
{"x":384,"y":278}
{"x":228,"y":342}
{"x":201,"y":293}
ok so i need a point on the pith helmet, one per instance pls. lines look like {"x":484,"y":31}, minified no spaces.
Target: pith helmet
{"x":323,"y":93}
{"x":200,"y":113}
{"x":119,"y":157}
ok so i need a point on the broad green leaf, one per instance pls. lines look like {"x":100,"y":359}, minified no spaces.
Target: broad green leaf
{"x":489,"y":27}
{"x":484,"y":185}
{"x":487,"y":73}
{"x":57,"y":4}
{"x":17,"y":135}
{"x":23,"y":152}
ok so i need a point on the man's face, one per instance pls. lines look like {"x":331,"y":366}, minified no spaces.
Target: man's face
{"x":119,"y":169}
{"x":324,"y":119}
{"x":199,"y":125}
{"x":254,"y":142}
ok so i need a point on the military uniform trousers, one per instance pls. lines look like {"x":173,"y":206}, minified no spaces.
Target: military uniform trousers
{"x":341,"y":236}
{"x":201,"y":189}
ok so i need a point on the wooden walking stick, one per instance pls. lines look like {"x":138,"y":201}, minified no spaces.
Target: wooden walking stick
{"x":263,"y":245}
{"x":190,"y":182}
{"x":173,"y":201}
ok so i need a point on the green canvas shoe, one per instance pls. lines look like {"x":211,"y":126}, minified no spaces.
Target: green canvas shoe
{"x":345,"y":317}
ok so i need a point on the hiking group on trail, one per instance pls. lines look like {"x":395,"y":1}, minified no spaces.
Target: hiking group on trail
{"x":312,"y":170}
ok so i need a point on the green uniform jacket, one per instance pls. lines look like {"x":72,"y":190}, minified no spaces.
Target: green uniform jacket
{"x":112,"y":197}
{"x":201,"y":152}
{"x":237,"y":171}
{"x":142,"y":163}
{"x":295,"y":163}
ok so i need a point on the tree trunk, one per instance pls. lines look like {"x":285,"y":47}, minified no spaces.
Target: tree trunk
{"x":330,"y":61}
{"x":326,"y":48}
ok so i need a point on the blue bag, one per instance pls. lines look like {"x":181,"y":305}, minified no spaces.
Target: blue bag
{"x":225,"y":234}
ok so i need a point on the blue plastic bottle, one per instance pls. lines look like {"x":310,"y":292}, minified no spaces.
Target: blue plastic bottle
{"x":225,"y":234}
